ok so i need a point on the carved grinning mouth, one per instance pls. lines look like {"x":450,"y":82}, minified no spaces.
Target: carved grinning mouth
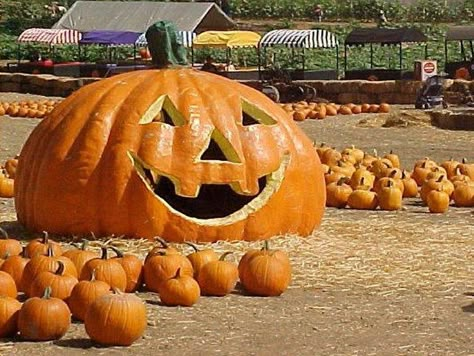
{"x":215,"y":204}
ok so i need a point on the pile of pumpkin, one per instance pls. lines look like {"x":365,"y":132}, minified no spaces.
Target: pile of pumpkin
{"x":7,"y":176}
{"x":30,"y":108}
{"x":363,"y":181}
{"x":99,"y":290}
{"x":303,"y":110}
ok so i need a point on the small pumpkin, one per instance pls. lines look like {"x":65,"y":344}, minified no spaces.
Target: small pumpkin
{"x":6,"y":187}
{"x":7,"y":285}
{"x":117,"y":319}
{"x":344,"y":110}
{"x":40,"y":246}
{"x":61,"y":284}
{"x":362,"y":176}
{"x":10,"y":166}
{"x":42,"y":263}
{"x":133,"y":268}
{"x":463,"y":195}
{"x":84,"y":294}
{"x":466,"y":168}
{"x":199,"y":258}
{"x":161,"y":267}
{"x":9,"y":246}
{"x":384,"y":108}
{"x":180,"y":290}
{"x":80,"y":256}
{"x":357,"y":153}
{"x":450,"y":167}
{"x":218,"y":278}
{"x":43,"y":319}
{"x":14,"y":266}
{"x":437,"y":201}
{"x":337,"y":193}
{"x":362,"y":198}
{"x":390,"y":197}
{"x":9,"y":309}
{"x":394,"y":158}
{"x":106,"y":269}
{"x":410,"y":187}
{"x":266,"y":272}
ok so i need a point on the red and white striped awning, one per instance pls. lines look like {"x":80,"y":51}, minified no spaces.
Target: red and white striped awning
{"x":50,"y":36}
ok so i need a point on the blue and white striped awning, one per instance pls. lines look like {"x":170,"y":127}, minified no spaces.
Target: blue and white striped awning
{"x":300,"y":38}
{"x":185,"y":36}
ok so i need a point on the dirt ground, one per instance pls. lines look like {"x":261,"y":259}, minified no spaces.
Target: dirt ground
{"x":365,"y":283}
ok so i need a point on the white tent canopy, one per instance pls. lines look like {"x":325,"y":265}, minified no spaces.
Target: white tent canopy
{"x":300,"y":38}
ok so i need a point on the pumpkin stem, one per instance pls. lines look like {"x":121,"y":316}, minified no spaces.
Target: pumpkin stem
{"x":84,"y":244}
{"x":92,"y":279}
{"x":192,"y":245}
{"x":391,"y":152}
{"x":224,"y":255}
{"x":6,"y":255}
{"x":178,"y":273}
{"x":60,"y":269}
{"x":47,"y":293}
{"x":162,"y":242}
{"x":266,"y":246}
{"x":464,"y":160}
{"x":117,"y":251}
{"x":440,"y":179}
{"x":45,"y":238}
{"x":104,"y":253}
{"x":49,"y":251}
{"x":341,"y":181}
{"x":4,"y":234}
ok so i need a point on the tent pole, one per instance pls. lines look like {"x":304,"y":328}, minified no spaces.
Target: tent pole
{"x":79,"y":52}
{"x":371,"y":56}
{"x":303,"y":62}
{"x":463,"y":51}
{"x":345,"y":59}
{"x":134,"y":54}
{"x":445,"y":54}
{"x":192,"y":56}
{"x":18,"y":56}
{"x":337,"y":62}
{"x":472,"y":50}
{"x":426,"y":51}
{"x":401,"y":56}
{"x":259,"y":63}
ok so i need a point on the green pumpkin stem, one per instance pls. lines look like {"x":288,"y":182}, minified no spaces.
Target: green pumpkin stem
{"x":192,"y":245}
{"x":49,"y":251}
{"x":224,"y":255}
{"x":117,"y":251}
{"x":47,"y":293}
{"x":266,"y":246}
{"x":84,"y":244}
{"x":4,"y":234}
{"x":104,"y":253}
{"x":116,"y":290}
{"x":60,"y":269}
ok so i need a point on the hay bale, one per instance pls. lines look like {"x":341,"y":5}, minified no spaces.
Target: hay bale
{"x":342,"y":86}
{"x":396,"y":98}
{"x":356,"y":98}
{"x":379,"y":87}
{"x":408,"y":86}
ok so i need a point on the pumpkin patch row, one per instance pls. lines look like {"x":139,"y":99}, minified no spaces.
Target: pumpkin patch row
{"x":96,"y":288}
{"x":31,"y":108}
{"x":7,"y":176}
{"x":303,"y":110}
{"x":362,"y":181}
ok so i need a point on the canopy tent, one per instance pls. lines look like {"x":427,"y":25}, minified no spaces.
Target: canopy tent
{"x":137,"y":16}
{"x":361,"y":36}
{"x":49,"y":36}
{"x":382,"y":36}
{"x":461,"y":34}
{"x":185,"y":36}
{"x":300,"y":38}
{"x":104,"y":37}
{"x":228,"y":39}
{"x":304,"y":39}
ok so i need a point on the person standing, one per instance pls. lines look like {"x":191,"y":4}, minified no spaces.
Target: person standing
{"x":318,"y":13}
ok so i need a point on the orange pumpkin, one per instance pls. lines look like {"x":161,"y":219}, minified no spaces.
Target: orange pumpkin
{"x":168,"y":154}
{"x":9,"y":308}
{"x":9,"y":247}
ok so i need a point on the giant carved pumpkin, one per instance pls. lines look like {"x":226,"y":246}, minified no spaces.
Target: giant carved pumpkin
{"x":179,"y":153}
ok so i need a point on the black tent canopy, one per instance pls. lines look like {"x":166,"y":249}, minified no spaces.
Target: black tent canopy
{"x":381,"y":36}
{"x":461,"y":34}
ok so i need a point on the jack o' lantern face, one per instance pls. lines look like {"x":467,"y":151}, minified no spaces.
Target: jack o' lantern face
{"x":227,"y":198}
{"x":178,"y":153}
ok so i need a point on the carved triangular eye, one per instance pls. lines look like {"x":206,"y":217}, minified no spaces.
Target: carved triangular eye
{"x":219,"y":149}
{"x":163,"y":110}
{"x":251,"y":115}
{"x":213,"y":152}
